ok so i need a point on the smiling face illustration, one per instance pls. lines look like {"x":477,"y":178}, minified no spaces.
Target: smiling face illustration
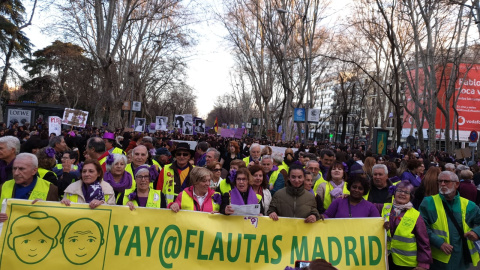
{"x":33,"y":236}
{"x":81,"y":240}
{"x":32,"y":247}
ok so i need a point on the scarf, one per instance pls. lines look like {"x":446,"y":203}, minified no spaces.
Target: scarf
{"x":237,"y":198}
{"x":22,"y":192}
{"x":125,"y":181}
{"x":93,"y":191}
{"x":337,"y":191}
{"x":398,"y":208}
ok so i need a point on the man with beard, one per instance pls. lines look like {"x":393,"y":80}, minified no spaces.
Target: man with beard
{"x":449,"y":219}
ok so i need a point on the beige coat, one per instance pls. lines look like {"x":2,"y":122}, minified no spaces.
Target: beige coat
{"x":76,"y":189}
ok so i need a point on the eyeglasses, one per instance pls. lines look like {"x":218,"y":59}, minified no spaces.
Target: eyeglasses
{"x":141,"y":177}
{"x":216,"y":170}
{"x":182,"y":154}
{"x":241,"y":180}
{"x":445,"y":181}
{"x":406,"y":192}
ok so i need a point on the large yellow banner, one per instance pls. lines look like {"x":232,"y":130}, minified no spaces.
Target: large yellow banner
{"x":48,"y":235}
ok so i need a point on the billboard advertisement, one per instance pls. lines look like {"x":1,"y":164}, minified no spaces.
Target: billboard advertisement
{"x":467,"y":89}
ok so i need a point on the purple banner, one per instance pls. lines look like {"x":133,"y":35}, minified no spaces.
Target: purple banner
{"x":227,"y":133}
{"x":239,"y":133}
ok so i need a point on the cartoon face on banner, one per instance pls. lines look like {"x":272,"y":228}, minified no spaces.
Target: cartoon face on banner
{"x":38,"y":238}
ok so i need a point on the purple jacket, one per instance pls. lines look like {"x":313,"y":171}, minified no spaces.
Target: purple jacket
{"x":412,"y":178}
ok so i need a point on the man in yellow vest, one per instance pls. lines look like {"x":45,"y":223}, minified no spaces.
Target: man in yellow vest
{"x":26,"y":184}
{"x":275,"y":178}
{"x":450,"y":221}
{"x":174,"y":175}
{"x":254,"y":157}
{"x":109,"y":139}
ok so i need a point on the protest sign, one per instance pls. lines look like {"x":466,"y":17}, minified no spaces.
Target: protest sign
{"x":48,"y":235}
{"x":161,"y":123}
{"x":136,"y":106}
{"x":73,"y":117}
{"x":179,"y":119}
{"x":227,"y":133}
{"x":140,"y":124}
{"x":200,"y":126}
{"x":55,"y":125}
{"x":188,"y":124}
{"x":239,"y":133}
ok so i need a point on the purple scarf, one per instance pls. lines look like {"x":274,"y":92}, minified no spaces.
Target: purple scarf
{"x":125,"y":181}
{"x":237,"y":199}
{"x":93,"y":191}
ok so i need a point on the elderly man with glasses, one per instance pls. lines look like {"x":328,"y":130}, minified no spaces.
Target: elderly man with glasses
{"x":450,"y":221}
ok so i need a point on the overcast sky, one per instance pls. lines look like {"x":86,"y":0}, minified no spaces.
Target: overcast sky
{"x":209,"y":68}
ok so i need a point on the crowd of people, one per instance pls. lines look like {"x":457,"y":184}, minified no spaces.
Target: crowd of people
{"x":429,"y":201}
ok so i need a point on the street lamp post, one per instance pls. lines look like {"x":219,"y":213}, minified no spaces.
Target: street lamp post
{"x":308,"y":68}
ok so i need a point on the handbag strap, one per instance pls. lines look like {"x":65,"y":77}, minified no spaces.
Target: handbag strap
{"x":466,"y":252}
{"x":454,"y":221}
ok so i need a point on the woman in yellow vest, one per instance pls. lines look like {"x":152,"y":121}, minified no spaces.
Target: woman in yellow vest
{"x":46,"y":162}
{"x":334,"y":187}
{"x":143,"y":195}
{"x":407,"y":237}
{"x":199,"y":196}
{"x":241,"y":194}
{"x":91,"y":189}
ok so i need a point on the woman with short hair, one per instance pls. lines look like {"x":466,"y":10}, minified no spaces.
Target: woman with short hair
{"x":116,"y":175}
{"x":406,"y":230}
{"x":143,"y":195}
{"x":199,"y":196}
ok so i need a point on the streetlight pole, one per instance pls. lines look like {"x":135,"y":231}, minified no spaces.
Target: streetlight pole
{"x":308,"y":75}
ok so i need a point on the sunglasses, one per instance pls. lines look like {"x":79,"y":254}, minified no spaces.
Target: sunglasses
{"x":216,"y":170}
{"x":182,"y":154}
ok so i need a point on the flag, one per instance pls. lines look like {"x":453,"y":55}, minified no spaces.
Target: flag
{"x":216,"y":124}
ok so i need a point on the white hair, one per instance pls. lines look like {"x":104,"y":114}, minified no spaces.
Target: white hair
{"x":133,"y":151}
{"x":449,"y":166}
{"x":451,"y":175}
{"x":254,"y":145}
{"x":117,"y":158}
{"x":11,"y":142}
{"x":32,"y":157}
{"x":141,"y":171}
{"x":277,"y":158}
{"x":380,"y":166}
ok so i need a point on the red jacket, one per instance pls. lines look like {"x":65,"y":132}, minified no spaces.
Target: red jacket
{"x":208,"y":204}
